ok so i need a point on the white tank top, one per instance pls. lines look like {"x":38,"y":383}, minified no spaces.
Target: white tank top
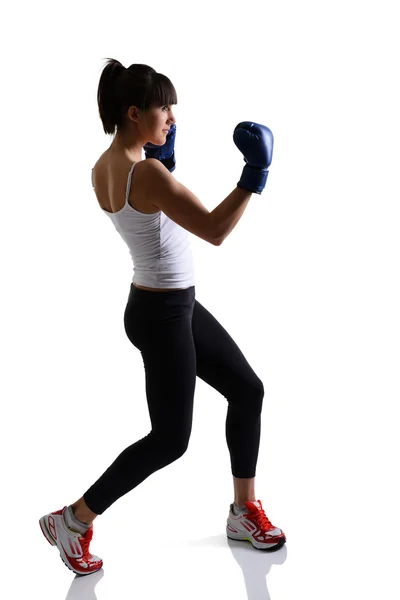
{"x":159,"y":247}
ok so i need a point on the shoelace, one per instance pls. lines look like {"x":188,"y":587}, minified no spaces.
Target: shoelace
{"x":85,"y":541}
{"x":262,"y":520}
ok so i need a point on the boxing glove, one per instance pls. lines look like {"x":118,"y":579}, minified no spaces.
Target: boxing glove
{"x":164,"y":153}
{"x":256,"y":143}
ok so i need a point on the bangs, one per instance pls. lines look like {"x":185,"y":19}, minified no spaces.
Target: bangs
{"x":163,"y":92}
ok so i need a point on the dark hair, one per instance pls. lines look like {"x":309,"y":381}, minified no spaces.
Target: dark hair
{"x":138,"y":85}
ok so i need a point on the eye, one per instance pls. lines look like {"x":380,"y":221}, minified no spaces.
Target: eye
{"x":167,"y":107}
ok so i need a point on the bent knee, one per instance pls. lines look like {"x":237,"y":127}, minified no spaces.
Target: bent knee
{"x":258,"y":394}
{"x":255,"y":390}
{"x":254,"y":394}
{"x":259,"y":389}
{"x":172,"y":446}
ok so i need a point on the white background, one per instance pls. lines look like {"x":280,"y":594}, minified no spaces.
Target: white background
{"x":307,"y":284}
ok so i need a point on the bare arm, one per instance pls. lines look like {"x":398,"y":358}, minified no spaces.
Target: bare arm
{"x":183,"y":207}
{"x":227,"y":214}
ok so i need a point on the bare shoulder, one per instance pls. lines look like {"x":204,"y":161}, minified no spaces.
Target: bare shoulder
{"x":153,"y":179}
{"x":143,"y":171}
{"x":163,"y":191}
{"x":149,"y":166}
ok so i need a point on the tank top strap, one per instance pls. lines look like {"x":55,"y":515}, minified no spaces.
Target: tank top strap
{"x":128,"y":185}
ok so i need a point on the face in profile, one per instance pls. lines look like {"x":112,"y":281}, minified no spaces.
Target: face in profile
{"x":156,"y":123}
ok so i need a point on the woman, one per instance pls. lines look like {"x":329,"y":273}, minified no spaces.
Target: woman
{"x":178,"y":338}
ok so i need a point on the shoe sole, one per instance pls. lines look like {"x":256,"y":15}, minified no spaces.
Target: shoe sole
{"x":52,"y":542}
{"x":271,"y":548}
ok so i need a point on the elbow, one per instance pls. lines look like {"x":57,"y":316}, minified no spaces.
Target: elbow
{"x":216,"y":241}
{"x":215,"y":238}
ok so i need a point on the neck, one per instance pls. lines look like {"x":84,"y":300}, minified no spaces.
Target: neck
{"x":132,"y":148}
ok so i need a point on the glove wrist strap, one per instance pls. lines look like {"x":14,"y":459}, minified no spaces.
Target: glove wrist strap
{"x":253,"y":179}
{"x":169,"y":162}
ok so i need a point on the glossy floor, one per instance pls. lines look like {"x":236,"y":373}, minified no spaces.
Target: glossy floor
{"x":342,"y":542}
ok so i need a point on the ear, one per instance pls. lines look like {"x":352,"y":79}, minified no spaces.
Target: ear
{"x":133,"y":113}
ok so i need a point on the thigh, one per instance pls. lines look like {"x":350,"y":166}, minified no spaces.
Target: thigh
{"x":160,"y":326}
{"x":220,"y":362}
{"x":169,"y":360}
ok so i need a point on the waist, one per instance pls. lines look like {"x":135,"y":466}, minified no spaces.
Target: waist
{"x":149,"y":289}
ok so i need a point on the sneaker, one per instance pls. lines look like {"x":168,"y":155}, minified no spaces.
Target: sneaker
{"x":254,"y":526}
{"x":73,"y":546}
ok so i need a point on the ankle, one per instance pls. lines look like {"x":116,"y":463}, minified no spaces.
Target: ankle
{"x":240,"y":501}
{"x":83,"y":513}
{"x":82,"y":518}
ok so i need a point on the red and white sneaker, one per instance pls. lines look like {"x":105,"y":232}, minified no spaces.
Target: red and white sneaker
{"x":254,"y":526}
{"x":73,"y":546}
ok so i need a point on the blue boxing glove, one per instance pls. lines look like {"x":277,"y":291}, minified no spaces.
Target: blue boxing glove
{"x":256,"y":142}
{"x":164,"y":153}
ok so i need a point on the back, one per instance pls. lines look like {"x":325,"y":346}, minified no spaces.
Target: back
{"x":158,"y":246}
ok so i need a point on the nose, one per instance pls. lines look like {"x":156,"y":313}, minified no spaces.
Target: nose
{"x":171,"y":118}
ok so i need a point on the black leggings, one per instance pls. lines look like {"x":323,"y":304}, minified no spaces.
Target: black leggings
{"x":179,"y":340}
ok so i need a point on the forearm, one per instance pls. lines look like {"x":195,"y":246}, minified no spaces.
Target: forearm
{"x":228,"y":213}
